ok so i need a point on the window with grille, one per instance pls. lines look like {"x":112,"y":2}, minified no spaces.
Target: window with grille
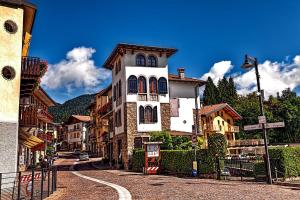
{"x":132,"y":84}
{"x":152,"y":61}
{"x":162,"y":85}
{"x":140,"y":60}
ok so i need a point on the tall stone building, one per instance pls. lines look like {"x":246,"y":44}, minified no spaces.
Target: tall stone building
{"x":16,"y":22}
{"x":142,"y":99}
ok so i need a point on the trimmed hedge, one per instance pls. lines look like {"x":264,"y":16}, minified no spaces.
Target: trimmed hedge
{"x":178,"y":161}
{"x":285,"y":159}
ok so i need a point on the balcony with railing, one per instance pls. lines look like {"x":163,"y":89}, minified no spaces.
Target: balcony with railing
{"x":153,"y":97}
{"x":142,"y":97}
{"x":106,"y":108}
{"x":245,"y":143}
{"x":211,"y":127}
{"x":28,"y":116}
{"x":232,"y":129}
{"x":44,"y":115}
{"x":32,"y":69}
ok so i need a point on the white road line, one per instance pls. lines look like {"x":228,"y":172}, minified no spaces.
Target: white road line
{"x":124,"y":194}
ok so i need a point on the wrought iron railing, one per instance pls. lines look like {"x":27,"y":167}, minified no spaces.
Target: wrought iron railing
{"x":33,"y":184}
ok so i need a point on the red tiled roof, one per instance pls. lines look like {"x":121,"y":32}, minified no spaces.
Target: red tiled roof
{"x":122,"y":47}
{"x":173,"y":77}
{"x":83,"y":118}
{"x":207,"y":110}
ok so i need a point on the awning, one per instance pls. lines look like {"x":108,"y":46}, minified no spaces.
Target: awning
{"x":30,"y":141}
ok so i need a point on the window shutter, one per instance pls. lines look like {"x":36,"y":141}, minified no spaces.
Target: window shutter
{"x":155,"y":114}
{"x":141,"y":115}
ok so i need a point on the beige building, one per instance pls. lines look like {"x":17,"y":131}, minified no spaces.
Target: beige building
{"x":16,"y":21}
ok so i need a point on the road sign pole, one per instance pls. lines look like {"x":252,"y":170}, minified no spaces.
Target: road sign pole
{"x":268,"y":167}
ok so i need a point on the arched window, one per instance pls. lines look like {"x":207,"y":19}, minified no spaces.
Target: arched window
{"x":152,"y":61}
{"x":140,"y":60}
{"x":132,"y":84}
{"x":141,"y":114}
{"x":162,"y":86}
{"x":142,"y":85}
{"x":153,"y":85}
{"x":154,"y":114}
{"x":148,"y":114}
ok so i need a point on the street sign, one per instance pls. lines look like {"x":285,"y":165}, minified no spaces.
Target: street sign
{"x":262,"y":119}
{"x":259,"y":126}
{"x":252,"y":127}
{"x":275,"y":125}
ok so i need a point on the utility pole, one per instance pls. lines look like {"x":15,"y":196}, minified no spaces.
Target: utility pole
{"x":252,"y":62}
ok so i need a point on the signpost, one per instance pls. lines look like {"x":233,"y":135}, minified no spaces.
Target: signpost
{"x":262,"y":120}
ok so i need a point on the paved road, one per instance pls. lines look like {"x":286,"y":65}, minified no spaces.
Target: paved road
{"x":159,"y":187}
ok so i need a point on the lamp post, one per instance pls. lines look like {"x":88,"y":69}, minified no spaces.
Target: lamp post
{"x":249,"y":63}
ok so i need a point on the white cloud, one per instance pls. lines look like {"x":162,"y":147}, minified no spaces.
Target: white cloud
{"x":218,"y":71}
{"x":275,"y":76}
{"x":77,"y":71}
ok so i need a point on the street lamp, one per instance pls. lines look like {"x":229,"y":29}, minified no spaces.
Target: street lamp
{"x":249,"y":63}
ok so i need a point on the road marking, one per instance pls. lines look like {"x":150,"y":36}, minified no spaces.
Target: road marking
{"x":124,"y":194}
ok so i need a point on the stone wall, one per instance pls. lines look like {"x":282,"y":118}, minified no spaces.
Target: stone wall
{"x":165,"y":116}
{"x":8,"y":147}
{"x":123,"y":138}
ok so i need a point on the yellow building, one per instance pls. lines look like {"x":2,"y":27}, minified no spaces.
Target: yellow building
{"x":104,"y":121}
{"x":16,"y":21}
{"x":219,"y":118}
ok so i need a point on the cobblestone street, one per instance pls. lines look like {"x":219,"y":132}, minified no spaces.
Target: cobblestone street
{"x":160,"y":187}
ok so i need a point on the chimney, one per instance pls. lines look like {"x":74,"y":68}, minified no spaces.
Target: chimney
{"x":180,"y":73}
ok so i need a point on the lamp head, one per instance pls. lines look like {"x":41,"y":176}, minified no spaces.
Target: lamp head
{"x":247,"y":63}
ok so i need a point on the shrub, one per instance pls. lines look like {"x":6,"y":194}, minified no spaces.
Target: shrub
{"x":217,"y":145}
{"x":138,"y":160}
{"x":285,"y":159}
{"x":178,"y":161}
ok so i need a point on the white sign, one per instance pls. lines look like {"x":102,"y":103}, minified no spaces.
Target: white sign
{"x":262,"y":119}
{"x":252,"y":127}
{"x":268,"y":125}
{"x":152,"y":150}
{"x":275,"y":125}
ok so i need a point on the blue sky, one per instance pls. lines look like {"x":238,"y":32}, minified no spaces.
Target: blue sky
{"x":205,"y":33}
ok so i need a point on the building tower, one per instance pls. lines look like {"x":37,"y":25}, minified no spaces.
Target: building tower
{"x":140,"y":95}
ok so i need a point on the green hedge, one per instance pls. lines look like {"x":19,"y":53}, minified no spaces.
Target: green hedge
{"x":285,"y":159}
{"x":177,"y":161}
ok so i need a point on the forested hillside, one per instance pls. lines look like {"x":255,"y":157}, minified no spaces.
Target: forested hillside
{"x":76,"y":106}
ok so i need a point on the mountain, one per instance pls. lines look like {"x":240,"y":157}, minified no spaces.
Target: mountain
{"x":75,"y":106}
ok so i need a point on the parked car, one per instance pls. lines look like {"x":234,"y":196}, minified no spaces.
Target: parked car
{"x":76,"y":152}
{"x":84,"y":156}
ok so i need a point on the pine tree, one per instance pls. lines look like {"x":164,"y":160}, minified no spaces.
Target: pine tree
{"x":232,"y":93}
{"x":211,"y":93}
{"x":223,"y":87}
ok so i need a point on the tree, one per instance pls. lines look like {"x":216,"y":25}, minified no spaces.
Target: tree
{"x":217,"y":145}
{"x":164,"y":137}
{"x":211,"y":93}
{"x":223,"y":90}
{"x":232,"y":93}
